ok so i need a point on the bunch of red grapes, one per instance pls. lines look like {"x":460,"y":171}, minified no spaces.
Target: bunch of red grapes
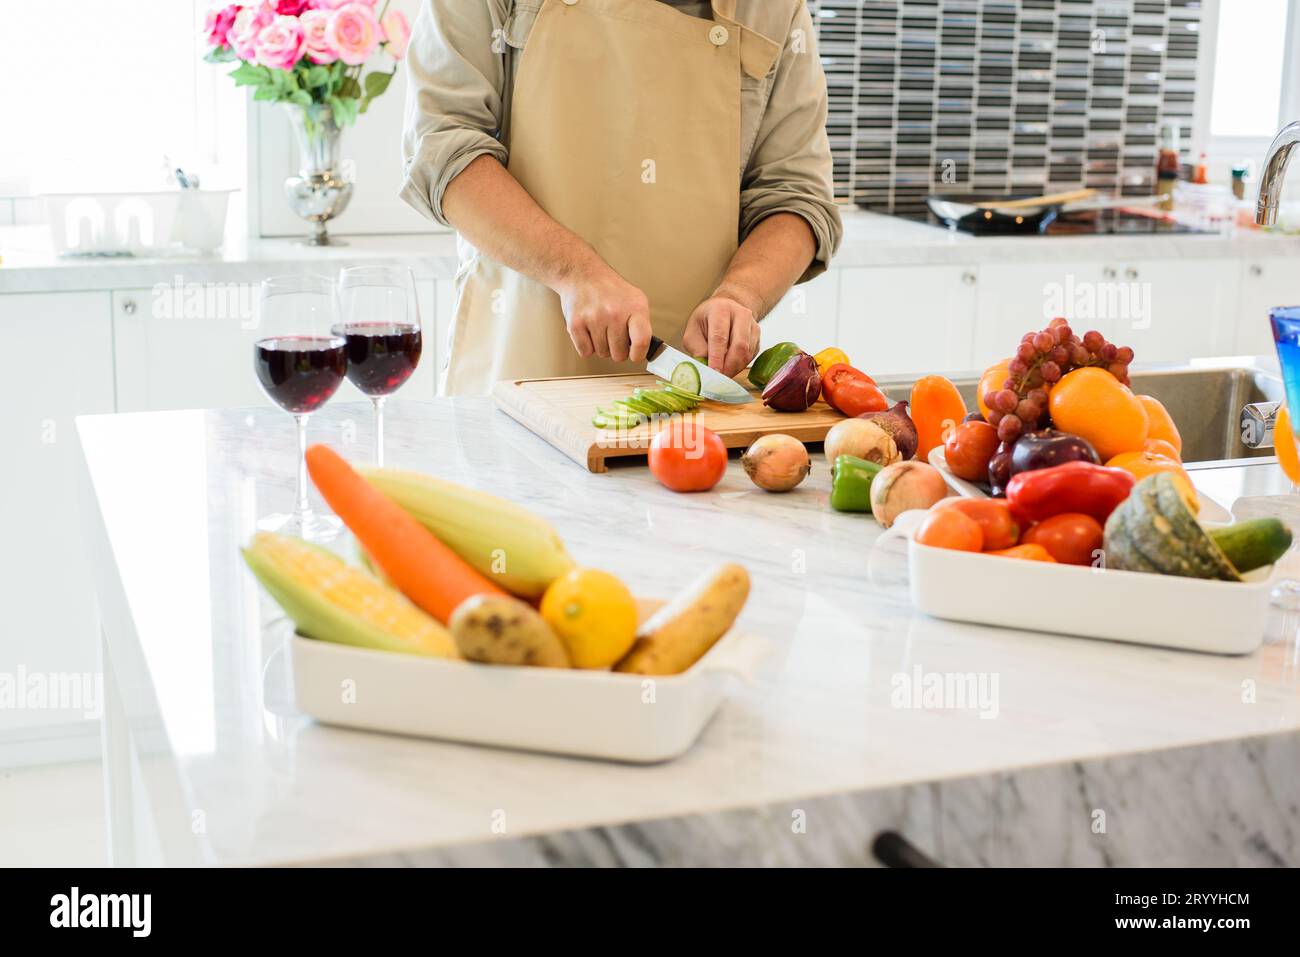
{"x":1041,"y":359}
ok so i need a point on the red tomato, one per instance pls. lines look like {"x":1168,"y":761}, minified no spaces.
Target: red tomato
{"x":1072,"y":538}
{"x":993,"y":517}
{"x":687,"y":457}
{"x":968,"y":448}
{"x":949,"y":528}
{"x":850,"y":392}
{"x":1031,"y":553}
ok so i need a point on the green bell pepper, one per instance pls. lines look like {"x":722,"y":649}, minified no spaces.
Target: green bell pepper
{"x":851,"y":479}
{"x":769,"y":363}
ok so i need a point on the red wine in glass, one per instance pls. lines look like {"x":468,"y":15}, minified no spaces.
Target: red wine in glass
{"x":381,"y":355}
{"x":300,"y":373}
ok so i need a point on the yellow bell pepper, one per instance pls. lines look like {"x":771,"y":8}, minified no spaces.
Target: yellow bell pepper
{"x":829,"y":357}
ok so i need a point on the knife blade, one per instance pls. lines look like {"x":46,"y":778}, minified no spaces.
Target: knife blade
{"x":662,"y":359}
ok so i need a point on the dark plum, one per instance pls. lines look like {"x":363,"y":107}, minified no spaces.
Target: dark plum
{"x":1048,"y":447}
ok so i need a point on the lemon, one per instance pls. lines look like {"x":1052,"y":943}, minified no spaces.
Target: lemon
{"x":594,"y":614}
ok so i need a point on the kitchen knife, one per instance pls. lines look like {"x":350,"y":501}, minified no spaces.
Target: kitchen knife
{"x":663,"y":359}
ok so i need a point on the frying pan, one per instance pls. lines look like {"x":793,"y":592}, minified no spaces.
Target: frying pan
{"x":979,"y":214}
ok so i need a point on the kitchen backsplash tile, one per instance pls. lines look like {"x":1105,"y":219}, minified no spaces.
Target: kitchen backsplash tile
{"x":994,"y":97}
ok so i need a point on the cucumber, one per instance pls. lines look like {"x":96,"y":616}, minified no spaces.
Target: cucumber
{"x":638,"y":407}
{"x":686,"y":377}
{"x":692,"y":397}
{"x":1253,"y":544}
{"x":635,"y":403}
{"x":651,"y":400}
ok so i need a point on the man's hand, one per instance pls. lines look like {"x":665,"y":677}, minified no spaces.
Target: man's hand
{"x":606,"y":315}
{"x":725,"y":330}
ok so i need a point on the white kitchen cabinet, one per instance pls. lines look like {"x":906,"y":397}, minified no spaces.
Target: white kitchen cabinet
{"x":807,"y":315}
{"x":1165,"y":309}
{"x":905,"y":319}
{"x":1265,"y":284}
{"x":165,"y":359}
{"x":63,"y":346}
{"x":1192,"y":308}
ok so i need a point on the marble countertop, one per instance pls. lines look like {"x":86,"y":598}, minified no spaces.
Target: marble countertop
{"x":233,"y":775}
{"x":870,"y":239}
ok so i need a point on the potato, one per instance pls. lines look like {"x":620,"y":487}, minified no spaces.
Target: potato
{"x":505,"y":631}
{"x":679,"y":633}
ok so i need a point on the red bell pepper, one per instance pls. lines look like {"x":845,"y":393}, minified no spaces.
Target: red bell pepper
{"x":1073,"y":487}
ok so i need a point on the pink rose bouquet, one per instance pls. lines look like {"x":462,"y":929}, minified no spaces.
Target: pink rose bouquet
{"x":308,"y":53}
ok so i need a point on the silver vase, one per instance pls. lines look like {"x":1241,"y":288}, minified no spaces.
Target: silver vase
{"x":320,"y":191}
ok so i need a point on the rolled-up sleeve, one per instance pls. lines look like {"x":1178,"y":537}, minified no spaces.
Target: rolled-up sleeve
{"x":455,"y":71}
{"x":789,"y":168}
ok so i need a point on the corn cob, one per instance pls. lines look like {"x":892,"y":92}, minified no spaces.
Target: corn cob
{"x":510,"y":545}
{"x":333,"y":601}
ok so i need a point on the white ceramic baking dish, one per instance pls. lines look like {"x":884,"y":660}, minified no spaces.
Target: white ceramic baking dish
{"x":1165,"y":610}
{"x":596,"y":714}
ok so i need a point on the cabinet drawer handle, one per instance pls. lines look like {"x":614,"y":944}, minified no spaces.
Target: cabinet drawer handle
{"x":1256,"y":269}
{"x":1110,"y":272}
{"x":893,"y":850}
{"x":1130,"y":273}
{"x":129,"y":307}
{"x":968,"y":278}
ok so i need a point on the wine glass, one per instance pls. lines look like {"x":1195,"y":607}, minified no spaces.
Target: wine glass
{"x":379,"y":317}
{"x":300,"y":363}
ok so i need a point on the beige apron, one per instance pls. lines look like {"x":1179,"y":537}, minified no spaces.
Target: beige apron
{"x":625,"y":128}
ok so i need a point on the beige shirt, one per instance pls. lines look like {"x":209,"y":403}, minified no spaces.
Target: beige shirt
{"x":461,"y":65}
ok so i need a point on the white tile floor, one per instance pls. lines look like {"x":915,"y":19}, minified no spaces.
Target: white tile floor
{"x":53,"y":816}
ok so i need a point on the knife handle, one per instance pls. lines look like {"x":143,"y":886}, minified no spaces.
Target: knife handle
{"x":656,"y":347}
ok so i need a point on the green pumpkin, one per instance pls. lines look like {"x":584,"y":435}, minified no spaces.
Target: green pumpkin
{"x":1154,"y":530}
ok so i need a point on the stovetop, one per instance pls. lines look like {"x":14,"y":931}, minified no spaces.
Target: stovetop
{"x":1093,"y":222}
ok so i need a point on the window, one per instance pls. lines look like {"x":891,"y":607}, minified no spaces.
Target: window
{"x":1249,"y":84}
{"x":124,"y":87}
{"x":1248,"y":57}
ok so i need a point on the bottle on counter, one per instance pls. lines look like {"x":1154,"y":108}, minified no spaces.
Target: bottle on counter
{"x":1167,"y":165}
{"x":1201,"y":177}
{"x":1239,"y":181}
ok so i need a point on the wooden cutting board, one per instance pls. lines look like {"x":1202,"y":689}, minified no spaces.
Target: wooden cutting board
{"x":560,"y":411}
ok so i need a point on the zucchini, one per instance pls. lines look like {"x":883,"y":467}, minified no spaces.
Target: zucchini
{"x":1254,"y":543}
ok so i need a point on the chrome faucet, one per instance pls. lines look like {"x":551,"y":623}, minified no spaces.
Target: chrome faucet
{"x":1270,"y":182}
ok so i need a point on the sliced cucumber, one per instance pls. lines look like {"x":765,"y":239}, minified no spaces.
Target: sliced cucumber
{"x":663,"y":401}
{"x":686,"y":377}
{"x":637,"y":404}
{"x":692,"y":396}
{"x":642,"y":404}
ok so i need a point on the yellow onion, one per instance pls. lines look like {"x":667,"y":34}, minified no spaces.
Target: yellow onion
{"x":776,"y":462}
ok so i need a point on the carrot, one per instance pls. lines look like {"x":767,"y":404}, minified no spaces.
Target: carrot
{"x":423,"y":568}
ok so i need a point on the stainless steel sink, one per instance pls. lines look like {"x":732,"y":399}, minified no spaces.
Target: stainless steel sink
{"x":1205,"y":403}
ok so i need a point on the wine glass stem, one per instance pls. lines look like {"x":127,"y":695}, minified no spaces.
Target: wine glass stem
{"x":378,"y":400}
{"x":301,"y":508}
